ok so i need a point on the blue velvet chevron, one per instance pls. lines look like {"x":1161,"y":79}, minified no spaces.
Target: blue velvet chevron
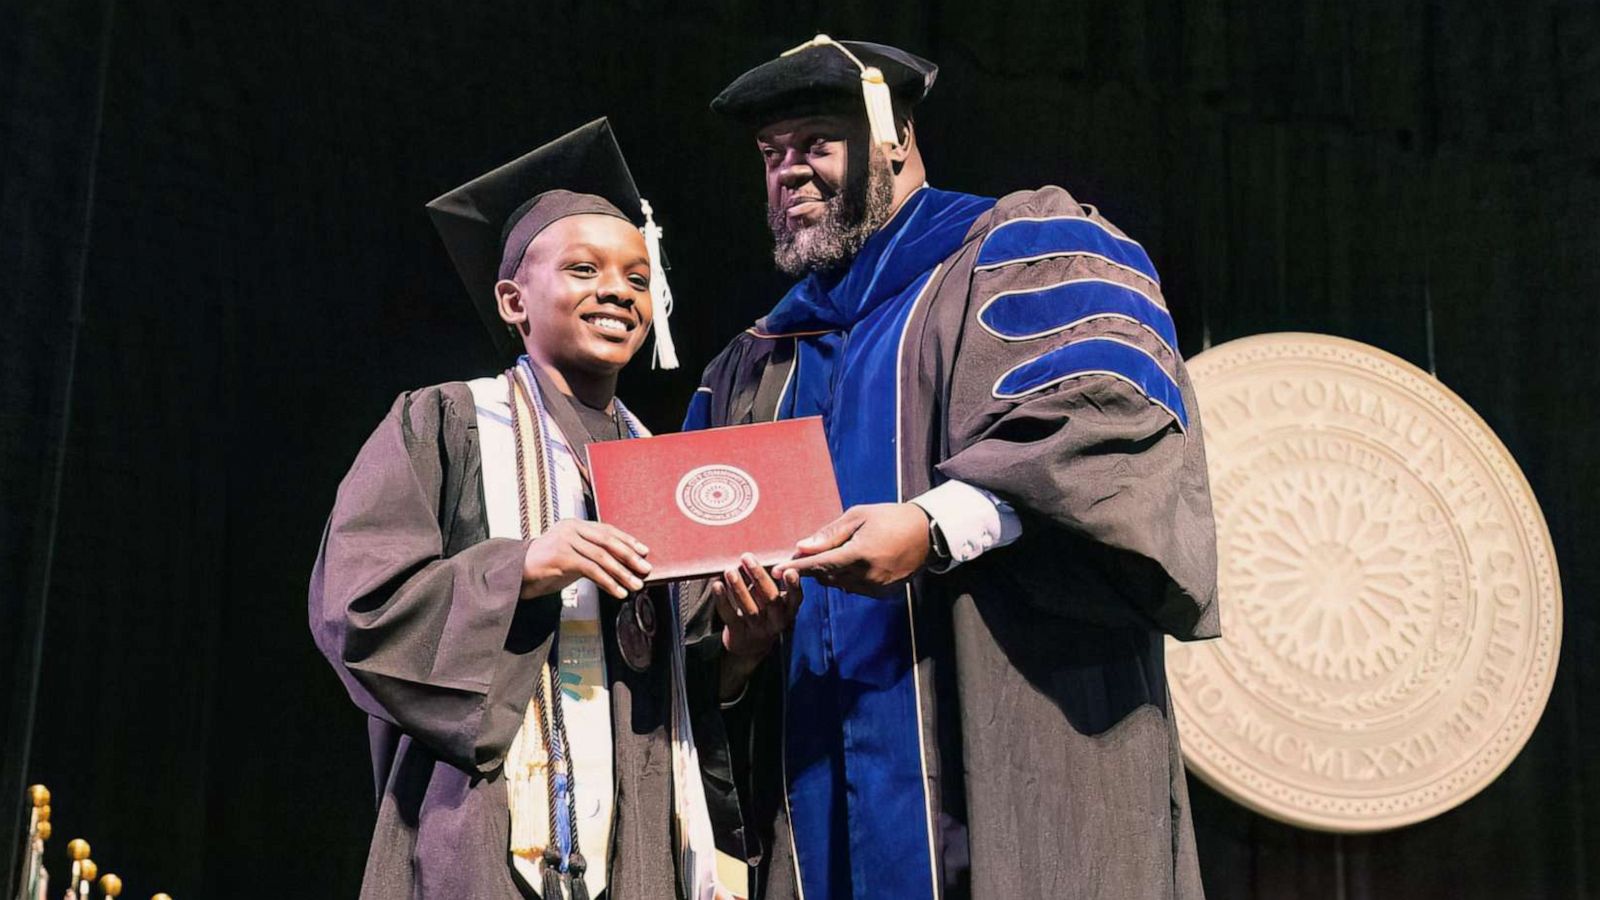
{"x":1096,"y":356}
{"x":1023,"y":240}
{"x":1027,"y":315}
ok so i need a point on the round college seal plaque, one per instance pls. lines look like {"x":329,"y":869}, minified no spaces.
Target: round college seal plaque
{"x":717,"y":494}
{"x":1391,"y":614}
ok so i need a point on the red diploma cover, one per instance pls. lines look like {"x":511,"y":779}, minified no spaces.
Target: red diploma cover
{"x":701,"y":498}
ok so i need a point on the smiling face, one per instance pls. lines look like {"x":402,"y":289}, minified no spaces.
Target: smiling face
{"x":824,"y":198}
{"x":580,"y":300}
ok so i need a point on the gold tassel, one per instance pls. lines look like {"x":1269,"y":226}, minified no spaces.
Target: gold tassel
{"x":666,"y":352}
{"x":880,"y":109}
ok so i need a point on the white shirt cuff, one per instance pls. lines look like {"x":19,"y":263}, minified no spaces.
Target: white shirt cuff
{"x":972,"y":520}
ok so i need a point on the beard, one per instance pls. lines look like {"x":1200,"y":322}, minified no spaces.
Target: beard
{"x":848,"y":220}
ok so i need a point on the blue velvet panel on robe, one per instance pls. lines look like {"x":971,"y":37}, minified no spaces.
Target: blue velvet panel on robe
{"x":698,"y":416}
{"x":1096,"y":356}
{"x":860,"y":814}
{"x":1026,"y":240}
{"x":1026,"y":315}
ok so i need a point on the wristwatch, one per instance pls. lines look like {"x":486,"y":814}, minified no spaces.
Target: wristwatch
{"x":938,"y":547}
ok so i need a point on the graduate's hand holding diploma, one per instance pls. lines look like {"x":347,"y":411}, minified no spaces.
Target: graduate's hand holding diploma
{"x":576,"y":548}
{"x":867,"y":550}
{"x":756,"y":609}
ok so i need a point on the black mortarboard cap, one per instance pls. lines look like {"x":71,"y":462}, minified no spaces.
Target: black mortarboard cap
{"x":580,"y":172}
{"x":818,"y":77}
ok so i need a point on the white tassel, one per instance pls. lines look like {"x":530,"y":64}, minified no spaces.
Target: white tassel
{"x":666,"y":354}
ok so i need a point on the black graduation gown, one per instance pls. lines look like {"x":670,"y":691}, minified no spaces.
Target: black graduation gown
{"x":417,"y":609}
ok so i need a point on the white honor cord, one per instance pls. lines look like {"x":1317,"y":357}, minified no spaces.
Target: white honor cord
{"x":666,"y":352}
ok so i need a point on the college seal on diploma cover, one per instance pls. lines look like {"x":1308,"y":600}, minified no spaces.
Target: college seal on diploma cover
{"x":1391,"y":613}
{"x":717,"y":494}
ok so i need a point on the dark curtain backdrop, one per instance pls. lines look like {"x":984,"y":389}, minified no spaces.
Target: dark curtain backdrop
{"x":239,"y":198}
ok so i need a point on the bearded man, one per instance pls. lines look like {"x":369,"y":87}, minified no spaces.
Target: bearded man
{"x":972,"y":701}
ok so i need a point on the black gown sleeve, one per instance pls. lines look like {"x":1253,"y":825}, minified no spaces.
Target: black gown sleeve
{"x":435,"y":642}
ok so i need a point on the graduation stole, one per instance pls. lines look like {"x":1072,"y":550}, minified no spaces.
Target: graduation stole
{"x":563,"y":865}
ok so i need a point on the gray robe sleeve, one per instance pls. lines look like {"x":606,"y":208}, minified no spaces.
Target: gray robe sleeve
{"x":425,"y":634}
{"x":1068,"y":399}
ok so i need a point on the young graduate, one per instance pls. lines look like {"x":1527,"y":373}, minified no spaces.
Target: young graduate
{"x":528,"y":715}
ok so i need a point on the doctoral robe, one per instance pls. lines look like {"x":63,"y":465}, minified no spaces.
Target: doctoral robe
{"x":1002,"y":729}
{"x":417,"y":609}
